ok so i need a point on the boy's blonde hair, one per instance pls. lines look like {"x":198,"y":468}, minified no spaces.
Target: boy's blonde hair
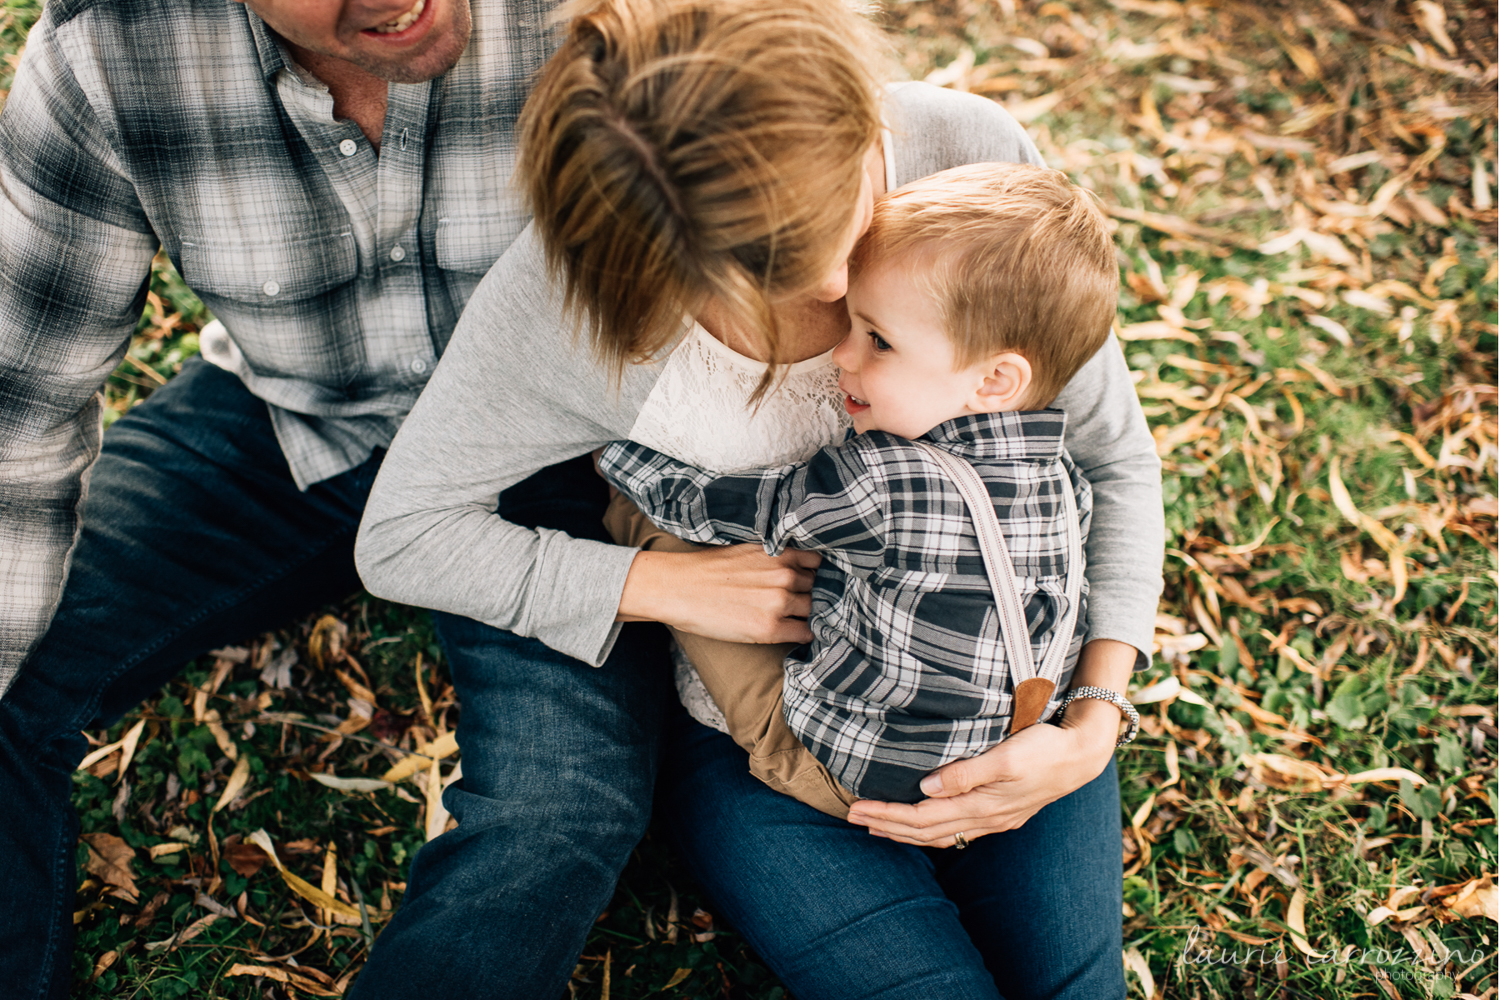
{"x":677,"y":151}
{"x":1018,"y":258}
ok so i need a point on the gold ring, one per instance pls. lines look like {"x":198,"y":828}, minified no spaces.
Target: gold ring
{"x":960,"y":841}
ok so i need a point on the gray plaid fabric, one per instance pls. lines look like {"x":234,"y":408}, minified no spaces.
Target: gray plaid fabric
{"x":338,"y":274}
{"x":907,"y":668}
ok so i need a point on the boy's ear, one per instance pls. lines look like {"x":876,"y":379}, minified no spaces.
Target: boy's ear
{"x":1007,"y":382}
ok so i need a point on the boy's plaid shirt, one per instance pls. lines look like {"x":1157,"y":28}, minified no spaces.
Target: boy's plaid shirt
{"x":907,"y":668}
{"x":138,"y":124}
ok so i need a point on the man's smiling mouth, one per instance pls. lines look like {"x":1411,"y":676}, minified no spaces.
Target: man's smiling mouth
{"x":403,"y":22}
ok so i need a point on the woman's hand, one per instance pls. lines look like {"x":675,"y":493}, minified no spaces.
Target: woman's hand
{"x":732,"y":592}
{"x":1004,"y":787}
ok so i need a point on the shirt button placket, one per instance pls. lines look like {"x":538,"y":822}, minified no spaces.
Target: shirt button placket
{"x":397,"y":253}
{"x":348,"y":147}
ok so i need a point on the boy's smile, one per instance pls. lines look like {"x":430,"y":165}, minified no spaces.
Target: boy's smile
{"x":898,"y":362}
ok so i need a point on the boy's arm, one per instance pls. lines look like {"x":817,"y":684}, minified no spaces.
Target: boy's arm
{"x":825,"y":503}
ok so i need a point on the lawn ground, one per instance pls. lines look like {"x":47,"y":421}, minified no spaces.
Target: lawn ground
{"x":1305,"y":198}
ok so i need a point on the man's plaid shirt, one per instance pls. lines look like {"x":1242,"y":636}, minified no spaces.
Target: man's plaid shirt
{"x":907,"y":668}
{"x":339,"y":274}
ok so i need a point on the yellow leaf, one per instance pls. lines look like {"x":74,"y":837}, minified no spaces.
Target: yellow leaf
{"x":1294,"y":920}
{"x":1136,"y":962}
{"x":437,"y":816}
{"x":422,"y":693}
{"x":127,"y":747}
{"x":301,"y":886}
{"x":303,"y":983}
{"x":677,"y":977}
{"x":215,"y":725}
{"x":1173,"y":775}
{"x":1143,"y":812}
{"x":326,"y":643}
{"x":1387,"y":774}
{"x":1384,"y":537}
{"x":1478,"y":899}
{"x":444,"y":746}
{"x":162,"y":850}
{"x":1160,"y":691}
{"x":235,"y":785}
{"x":1289,"y":773}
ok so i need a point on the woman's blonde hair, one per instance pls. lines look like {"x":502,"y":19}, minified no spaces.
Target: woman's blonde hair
{"x":680,"y":151}
{"x":1016,"y":257}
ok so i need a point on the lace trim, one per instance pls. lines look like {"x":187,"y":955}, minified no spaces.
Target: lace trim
{"x":699,"y":412}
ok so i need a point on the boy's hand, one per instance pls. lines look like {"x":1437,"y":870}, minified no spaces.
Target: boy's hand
{"x":732,"y":592}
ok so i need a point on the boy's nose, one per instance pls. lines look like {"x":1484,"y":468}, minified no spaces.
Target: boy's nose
{"x":844,"y":355}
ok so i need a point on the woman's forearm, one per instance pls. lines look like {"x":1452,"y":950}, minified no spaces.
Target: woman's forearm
{"x":1108,"y":664}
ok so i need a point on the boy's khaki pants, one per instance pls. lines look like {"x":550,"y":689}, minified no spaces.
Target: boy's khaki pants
{"x":745,"y":682}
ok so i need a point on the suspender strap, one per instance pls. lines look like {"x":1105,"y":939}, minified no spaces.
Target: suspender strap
{"x":1034,"y":685}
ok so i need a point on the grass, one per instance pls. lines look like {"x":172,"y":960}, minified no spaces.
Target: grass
{"x":1325,"y":411}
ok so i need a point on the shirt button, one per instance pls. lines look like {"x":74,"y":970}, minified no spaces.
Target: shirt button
{"x":271,"y":288}
{"x":398,"y":254}
{"x":418,"y":365}
{"x":348,"y":147}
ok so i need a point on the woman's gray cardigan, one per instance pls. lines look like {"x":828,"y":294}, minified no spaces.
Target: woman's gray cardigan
{"x":516,"y":392}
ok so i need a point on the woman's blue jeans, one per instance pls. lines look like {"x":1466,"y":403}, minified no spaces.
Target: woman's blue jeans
{"x":840,"y":914}
{"x":194,"y":536}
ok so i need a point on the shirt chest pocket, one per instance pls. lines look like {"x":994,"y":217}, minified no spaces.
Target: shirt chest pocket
{"x":472,"y":244}
{"x":269,"y":274}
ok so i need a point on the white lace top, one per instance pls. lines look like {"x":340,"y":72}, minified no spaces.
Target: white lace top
{"x":699,"y":412}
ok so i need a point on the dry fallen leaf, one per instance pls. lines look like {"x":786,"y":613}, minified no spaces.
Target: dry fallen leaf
{"x":1136,"y":962}
{"x":236,"y":784}
{"x":105,"y":961}
{"x":280,"y":975}
{"x":162,"y":850}
{"x":245,"y":859}
{"x":1295,"y":920}
{"x":1479,"y":898}
{"x":351,"y":784}
{"x":326,"y":643}
{"x":299,"y":885}
{"x":110,"y":859}
{"x":444,"y":746}
{"x":1289,"y":773}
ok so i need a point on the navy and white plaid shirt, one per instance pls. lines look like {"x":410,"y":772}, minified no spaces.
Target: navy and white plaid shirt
{"x":907,"y":668}
{"x":338,"y":273}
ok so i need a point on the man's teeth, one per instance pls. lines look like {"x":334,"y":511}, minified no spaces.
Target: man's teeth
{"x":404,"y":21}
{"x":857,"y":400}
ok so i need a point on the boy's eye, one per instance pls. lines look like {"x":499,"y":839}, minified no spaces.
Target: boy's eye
{"x":880,"y":342}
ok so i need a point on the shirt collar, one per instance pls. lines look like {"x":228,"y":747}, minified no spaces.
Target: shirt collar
{"x":272,"y":59}
{"x":1036,"y":434}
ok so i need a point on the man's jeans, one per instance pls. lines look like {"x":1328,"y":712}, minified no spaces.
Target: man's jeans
{"x":839,"y":914}
{"x":194,"y":536}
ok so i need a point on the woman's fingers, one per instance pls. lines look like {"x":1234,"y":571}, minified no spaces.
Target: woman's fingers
{"x":965,"y":775}
{"x":734,"y":592}
{"x":937,"y":822}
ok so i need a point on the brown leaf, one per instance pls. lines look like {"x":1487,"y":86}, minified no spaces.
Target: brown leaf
{"x":109,"y":860}
{"x":1479,"y":898}
{"x":245,"y":859}
{"x":105,"y":961}
{"x":1290,"y":773}
{"x":326,"y":644}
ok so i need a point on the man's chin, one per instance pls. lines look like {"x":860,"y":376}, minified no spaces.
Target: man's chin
{"x":431,"y":61}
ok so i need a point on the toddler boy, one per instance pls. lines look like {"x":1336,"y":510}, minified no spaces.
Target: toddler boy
{"x":976,"y":295}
